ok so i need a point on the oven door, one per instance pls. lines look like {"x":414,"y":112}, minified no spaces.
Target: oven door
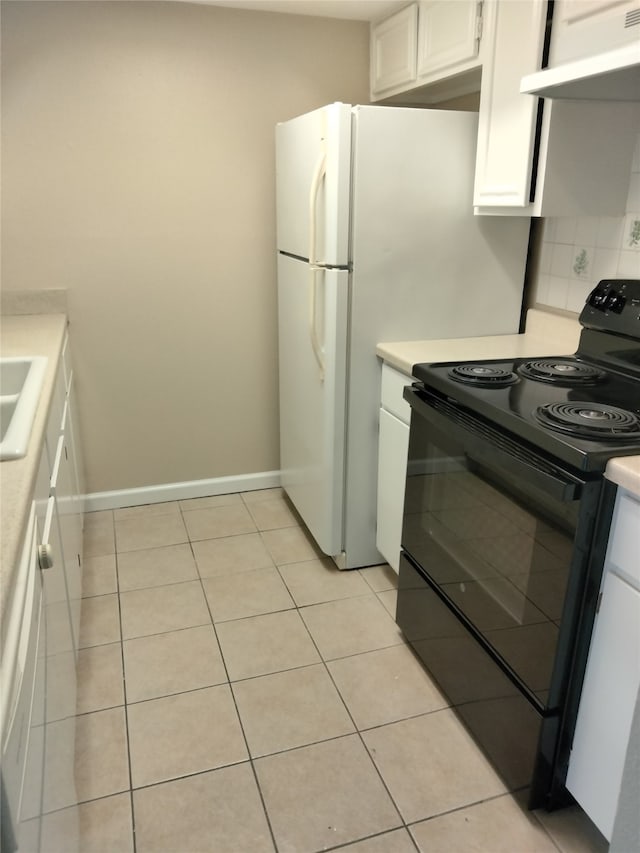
{"x":503,"y":537}
{"x":502,"y":553}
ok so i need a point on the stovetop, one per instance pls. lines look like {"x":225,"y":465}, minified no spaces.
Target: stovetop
{"x":542,"y":400}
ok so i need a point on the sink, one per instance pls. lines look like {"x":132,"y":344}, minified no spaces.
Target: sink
{"x":20,"y":386}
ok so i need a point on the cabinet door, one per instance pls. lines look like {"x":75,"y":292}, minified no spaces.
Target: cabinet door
{"x":63,"y":487}
{"x":72,"y":432}
{"x":20,"y":692}
{"x":60,"y":646}
{"x":75,"y":463}
{"x":393,"y":50}
{"x":507,"y":119}
{"x":611,"y":684}
{"x":392,"y":470}
{"x":30,"y":815}
{"x":447,"y":34}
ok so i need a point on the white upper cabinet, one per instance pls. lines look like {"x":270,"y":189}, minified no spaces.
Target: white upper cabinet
{"x":429,"y":51}
{"x":594,"y":52}
{"x":534,"y":157}
{"x":448,"y":35}
{"x":506,"y":129}
{"x":393,"y":51}
{"x":551,"y":158}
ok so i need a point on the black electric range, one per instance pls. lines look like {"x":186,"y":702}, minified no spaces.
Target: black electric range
{"x":505,"y":524}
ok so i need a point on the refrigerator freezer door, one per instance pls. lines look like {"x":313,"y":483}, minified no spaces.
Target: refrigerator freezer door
{"x":312,"y":401}
{"x":317,"y":144}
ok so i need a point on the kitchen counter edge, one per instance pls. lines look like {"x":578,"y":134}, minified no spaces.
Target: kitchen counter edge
{"x":545,"y":335}
{"x":25,"y":335}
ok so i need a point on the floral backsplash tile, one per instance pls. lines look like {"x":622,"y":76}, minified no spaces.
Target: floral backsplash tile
{"x":576,"y":254}
{"x":581,"y":264}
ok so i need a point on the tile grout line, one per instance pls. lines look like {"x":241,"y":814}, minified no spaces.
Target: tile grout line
{"x":235,"y":705}
{"x":124,"y":696}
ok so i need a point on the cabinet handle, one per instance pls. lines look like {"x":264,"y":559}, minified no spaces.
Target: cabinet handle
{"x":45,"y":552}
{"x":45,"y":556}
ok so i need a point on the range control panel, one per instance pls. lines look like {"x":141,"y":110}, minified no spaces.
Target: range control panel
{"x":614,"y":306}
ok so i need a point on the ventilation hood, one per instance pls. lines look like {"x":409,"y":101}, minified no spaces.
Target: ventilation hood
{"x":610,"y":76}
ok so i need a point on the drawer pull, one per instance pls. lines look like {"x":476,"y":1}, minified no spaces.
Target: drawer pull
{"x":45,"y":556}
{"x":45,"y":552}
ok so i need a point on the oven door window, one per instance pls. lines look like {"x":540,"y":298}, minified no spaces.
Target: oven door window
{"x":496,"y":545}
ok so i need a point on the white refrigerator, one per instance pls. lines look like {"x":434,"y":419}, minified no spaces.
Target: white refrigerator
{"x":377,"y":241}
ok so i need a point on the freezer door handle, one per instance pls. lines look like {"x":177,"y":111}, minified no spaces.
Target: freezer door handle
{"x":314,"y":267}
{"x":314,"y":191}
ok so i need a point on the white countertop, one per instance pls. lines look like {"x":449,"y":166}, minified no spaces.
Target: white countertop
{"x":545,"y":334}
{"x":29,"y":334}
{"x":625,"y":472}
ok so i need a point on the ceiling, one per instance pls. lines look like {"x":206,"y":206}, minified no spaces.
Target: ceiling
{"x":357,"y":10}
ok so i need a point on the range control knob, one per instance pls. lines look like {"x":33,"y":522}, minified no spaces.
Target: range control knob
{"x":615,"y":302}
{"x":599,"y":298}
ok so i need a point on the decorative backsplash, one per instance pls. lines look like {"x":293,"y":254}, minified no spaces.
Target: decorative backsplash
{"x":576,"y":254}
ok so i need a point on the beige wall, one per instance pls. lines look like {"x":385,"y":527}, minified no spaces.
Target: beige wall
{"x":137,"y":145}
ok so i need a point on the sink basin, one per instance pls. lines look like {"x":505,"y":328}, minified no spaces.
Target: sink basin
{"x":20,"y":386}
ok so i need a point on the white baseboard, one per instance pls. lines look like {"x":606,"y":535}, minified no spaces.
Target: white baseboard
{"x":181,"y":491}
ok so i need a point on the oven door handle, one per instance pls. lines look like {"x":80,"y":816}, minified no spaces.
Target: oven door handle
{"x":489,"y":448}
{"x":556,"y":487}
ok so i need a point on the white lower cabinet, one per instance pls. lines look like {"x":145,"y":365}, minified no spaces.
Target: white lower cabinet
{"x":45,"y":751}
{"x":612,"y":678}
{"x":393,"y":446}
{"x":22,"y":696}
{"x":64,"y":489}
{"x":63,"y":599}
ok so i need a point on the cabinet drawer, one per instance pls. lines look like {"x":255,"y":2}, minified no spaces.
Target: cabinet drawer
{"x":624,"y":539}
{"x":391,"y":399}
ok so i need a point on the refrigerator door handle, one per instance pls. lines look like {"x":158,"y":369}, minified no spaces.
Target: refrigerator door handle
{"x":314,"y":267}
{"x":314,"y":191}
{"x":313,"y":320}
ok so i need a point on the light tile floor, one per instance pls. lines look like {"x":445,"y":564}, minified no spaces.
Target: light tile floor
{"x":238,"y":694}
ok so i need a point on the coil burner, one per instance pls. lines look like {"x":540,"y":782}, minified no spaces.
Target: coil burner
{"x":482,"y":375}
{"x":561,"y":372}
{"x":590,"y":420}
